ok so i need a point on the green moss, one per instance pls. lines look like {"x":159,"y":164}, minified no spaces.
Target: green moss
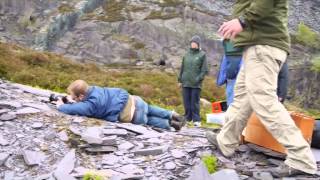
{"x":211,"y":163}
{"x":316,"y":64}
{"x":65,"y":8}
{"x":114,"y":11}
{"x":170,"y":3}
{"x":93,"y":176}
{"x":160,"y":15}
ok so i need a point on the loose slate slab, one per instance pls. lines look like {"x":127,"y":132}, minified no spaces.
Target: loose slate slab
{"x":110,"y":159}
{"x":200,"y":172}
{"x":8,"y":117}
{"x":134,"y":128}
{"x":75,"y":130}
{"x":3,"y":142}
{"x":37,"y":125}
{"x":42,"y":107}
{"x":125,"y":146}
{"x":177,"y":153}
{"x":118,"y":132}
{"x":32,"y":90}
{"x":170,"y":166}
{"x":9,"y":104}
{"x":32,"y":157}
{"x":101,"y":149}
{"x":109,"y":141}
{"x":3,"y":158}
{"x":63,"y":136}
{"x":151,"y":151}
{"x":229,"y":174}
{"x":2,"y":111}
{"x":66,"y":165}
{"x":92,"y":135}
{"x":27,"y":110}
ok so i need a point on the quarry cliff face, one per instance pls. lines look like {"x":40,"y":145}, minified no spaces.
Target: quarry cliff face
{"x":123,"y":32}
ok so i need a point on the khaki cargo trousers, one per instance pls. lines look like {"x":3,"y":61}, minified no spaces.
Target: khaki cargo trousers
{"x":255,"y":91}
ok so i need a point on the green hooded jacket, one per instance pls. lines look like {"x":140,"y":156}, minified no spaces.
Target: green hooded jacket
{"x":266,"y":23}
{"x":193,"y":69}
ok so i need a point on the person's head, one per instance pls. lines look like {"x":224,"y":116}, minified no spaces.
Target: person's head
{"x":78,"y":90}
{"x":195,"y":42}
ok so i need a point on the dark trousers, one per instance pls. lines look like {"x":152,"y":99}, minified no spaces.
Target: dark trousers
{"x":191,"y":102}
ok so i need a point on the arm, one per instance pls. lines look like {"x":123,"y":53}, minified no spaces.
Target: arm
{"x":258,"y":10}
{"x":181,"y":71}
{"x":204,"y":68}
{"x":80,"y":108}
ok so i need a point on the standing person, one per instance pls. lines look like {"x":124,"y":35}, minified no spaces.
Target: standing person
{"x":229,"y":68}
{"x":193,"y":70}
{"x":260,"y":27}
{"x":283,"y":79}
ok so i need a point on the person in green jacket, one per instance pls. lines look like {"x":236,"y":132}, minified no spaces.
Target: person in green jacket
{"x":261,"y":28}
{"x":193,"y":70}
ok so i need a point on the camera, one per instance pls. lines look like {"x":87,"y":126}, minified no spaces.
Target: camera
{"x":54,"y":97}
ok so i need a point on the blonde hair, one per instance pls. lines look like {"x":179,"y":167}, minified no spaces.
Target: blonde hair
{"x":78,"y":87}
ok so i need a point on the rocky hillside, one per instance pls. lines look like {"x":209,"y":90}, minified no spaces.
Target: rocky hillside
{"x":37,"y":142}
{"x":144,"y":31}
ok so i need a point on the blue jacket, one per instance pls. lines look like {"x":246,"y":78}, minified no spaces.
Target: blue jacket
{"x":229,"y":68}
{"x":101,"y":103}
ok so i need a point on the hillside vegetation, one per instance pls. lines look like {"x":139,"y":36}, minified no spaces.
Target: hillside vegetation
{"x":54,"y":72}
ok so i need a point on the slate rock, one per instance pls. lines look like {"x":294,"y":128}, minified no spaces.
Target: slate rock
{"x":33,"y":90}
{"x":111,"y":140}
{"x":10,"y":104}
{"x":9,"y":175}
{"x":75,"y":130}
{"x":200,"y":171}
{"x":151,"y":151}
{"x":262,"y":175}
{"x":63,"y":136}
{"x":92,"y":135}
{"x":169,"y":166}
{"x":32,"y":157}
{"x":118,"y":132}
{"x":110,"y":159}
{"x":42,"y":107}
{"x":134,"y":128}
{"x":66,"y":165}
{"x":62,"y":176}
{"x":125,"y":146}
{"x":8,"y":117}
{"x":177,"y":153}
{"x":101,"y":149}
{"x":27,"y":110}
{"x":37,"y":125}
{"x":229,"y":174}
{"x":2,"y":111}
{"x":131,"y":169}
{"x":50,"y":136}
{"x":3,"y":158}
{"x":3,"y":142}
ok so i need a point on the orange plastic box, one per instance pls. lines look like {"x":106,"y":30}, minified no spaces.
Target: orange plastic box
{"x":257,"y":134}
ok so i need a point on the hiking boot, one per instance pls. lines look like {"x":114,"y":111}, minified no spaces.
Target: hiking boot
{"x":286,"y":171}
{"x":177,"y":117}
{"x":176,"y":125}
{"x":212,"y":138}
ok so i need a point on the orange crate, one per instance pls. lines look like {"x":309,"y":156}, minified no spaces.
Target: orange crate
{"x":257,"y":134}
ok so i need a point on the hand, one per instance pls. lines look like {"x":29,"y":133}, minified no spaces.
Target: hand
{"x":179,"y":85}
{"x":230,"y":29}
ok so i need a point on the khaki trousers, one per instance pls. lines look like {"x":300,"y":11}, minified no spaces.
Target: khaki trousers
{"x":255,"y":91}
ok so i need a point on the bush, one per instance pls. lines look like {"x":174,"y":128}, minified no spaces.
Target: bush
{"x":210,"y":162}
{"x":307,"y":36}
{"x":316,"y":64}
